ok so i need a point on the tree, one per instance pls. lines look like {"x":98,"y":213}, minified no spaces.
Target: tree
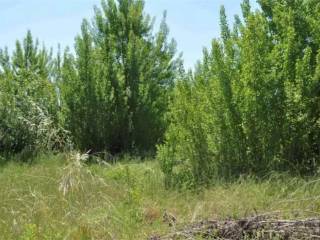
{"x":250,"y":107}
{"x":116,"y":92}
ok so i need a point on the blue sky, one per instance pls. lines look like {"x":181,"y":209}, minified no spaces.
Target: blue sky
{"x":193,"y":23}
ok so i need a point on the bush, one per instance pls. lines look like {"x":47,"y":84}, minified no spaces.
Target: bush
{"x":30,"y":128}
{"x":29,"y":101}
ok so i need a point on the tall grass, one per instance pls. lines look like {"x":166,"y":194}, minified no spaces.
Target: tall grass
{"x":61,"y":197}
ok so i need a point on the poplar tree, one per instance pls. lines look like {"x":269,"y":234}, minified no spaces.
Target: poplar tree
{"x":257,"y":98}
{"x":123,"y":74}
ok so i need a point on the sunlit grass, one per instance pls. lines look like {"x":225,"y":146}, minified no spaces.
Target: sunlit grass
{"x":127,"y":200}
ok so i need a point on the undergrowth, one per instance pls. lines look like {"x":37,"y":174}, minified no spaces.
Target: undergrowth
{"x":63,"y":197}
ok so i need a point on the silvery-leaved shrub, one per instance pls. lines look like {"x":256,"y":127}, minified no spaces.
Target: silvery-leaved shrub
{"x":25,"y":126}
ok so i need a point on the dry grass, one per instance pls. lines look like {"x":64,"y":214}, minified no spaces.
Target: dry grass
{"x":59,"y":197}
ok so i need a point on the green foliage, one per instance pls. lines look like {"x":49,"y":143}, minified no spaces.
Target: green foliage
{"x":252,"y":105}
{"x":30,"y":232}
{"x":112,"y":94}
{"x":28,"y":100}
{"x":115,"y":90}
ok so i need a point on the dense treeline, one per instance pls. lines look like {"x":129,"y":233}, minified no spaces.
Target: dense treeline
{"x":111,"y":95}
{"x":251,"y":106}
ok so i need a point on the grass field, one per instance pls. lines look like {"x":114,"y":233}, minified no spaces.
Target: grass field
{"x":58,"y":197}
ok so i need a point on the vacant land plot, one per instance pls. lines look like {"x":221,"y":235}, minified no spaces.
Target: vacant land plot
{"x":60,"y":197}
